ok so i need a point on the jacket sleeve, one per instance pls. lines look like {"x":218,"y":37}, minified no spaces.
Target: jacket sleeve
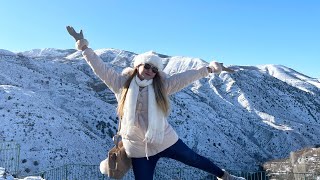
{"x":108,"y":75}
{"x":178,"y":81}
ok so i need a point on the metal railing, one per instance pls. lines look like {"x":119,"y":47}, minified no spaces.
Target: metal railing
{"x":76,"y":172}
{"x":10,"y":156}
{"x":92,"y":172}
{"x":294,"y":176}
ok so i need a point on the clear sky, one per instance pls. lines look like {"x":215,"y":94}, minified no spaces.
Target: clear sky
{"x":235,"y":32}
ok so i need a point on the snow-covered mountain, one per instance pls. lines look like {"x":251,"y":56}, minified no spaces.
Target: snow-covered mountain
{"x":53,"y":105}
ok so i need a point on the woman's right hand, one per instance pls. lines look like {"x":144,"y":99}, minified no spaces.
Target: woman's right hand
{"x":74,"y":34}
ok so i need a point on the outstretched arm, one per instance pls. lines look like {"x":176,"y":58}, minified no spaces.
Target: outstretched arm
{"x":107,"y":74}
{"x":226,"y":69}
{"x":178,"y":81}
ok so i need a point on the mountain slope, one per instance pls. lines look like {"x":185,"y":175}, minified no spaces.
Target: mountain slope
{"x":60,"y":112}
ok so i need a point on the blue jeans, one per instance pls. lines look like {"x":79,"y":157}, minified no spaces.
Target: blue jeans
{"x":143,"y":169}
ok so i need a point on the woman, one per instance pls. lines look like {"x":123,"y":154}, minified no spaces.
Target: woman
{"x":143,"y":107}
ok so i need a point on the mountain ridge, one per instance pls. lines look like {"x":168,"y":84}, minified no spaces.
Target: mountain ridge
{"x":51,"y":102}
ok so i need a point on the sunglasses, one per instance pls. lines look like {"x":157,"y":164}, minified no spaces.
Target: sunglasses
{"x":153,"y":68}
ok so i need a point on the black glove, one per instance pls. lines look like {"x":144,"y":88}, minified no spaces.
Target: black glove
{"x":74,"y":34}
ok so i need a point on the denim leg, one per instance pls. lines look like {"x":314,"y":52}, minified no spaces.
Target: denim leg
{"x":143,"y":169}
{"x":181,"y":152}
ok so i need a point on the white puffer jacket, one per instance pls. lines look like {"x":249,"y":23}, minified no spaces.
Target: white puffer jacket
{"x":133,"y":143}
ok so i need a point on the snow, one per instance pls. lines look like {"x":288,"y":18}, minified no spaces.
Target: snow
{"x":292,"y":77}
{"x":47,"y":52}
{"x":55,"y":107}
{"x":4,"y":175}
{"x":270,"y":120}
{"x":75,"y":55}
{"x":4,"y":52}
{"x":180,"y":64}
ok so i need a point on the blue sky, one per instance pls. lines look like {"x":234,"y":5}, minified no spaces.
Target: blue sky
{"x":235,"y":32}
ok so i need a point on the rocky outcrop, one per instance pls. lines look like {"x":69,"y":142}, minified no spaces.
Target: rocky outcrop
{"x":302,"y":164}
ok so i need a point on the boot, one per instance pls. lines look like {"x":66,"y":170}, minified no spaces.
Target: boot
{"x":227,"y":176}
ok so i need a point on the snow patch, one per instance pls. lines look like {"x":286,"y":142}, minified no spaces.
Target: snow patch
{"x":4,"y":52}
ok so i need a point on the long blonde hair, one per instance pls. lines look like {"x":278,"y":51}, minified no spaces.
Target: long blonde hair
{"x":159,"y":91}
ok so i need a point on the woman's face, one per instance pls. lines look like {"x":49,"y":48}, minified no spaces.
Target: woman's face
{"x":147,"y":71}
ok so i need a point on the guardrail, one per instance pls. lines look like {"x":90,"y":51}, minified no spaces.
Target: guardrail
{"x":10,"y":156}
{"x":92,"y":172}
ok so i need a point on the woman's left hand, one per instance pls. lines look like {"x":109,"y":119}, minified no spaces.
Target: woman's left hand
{"x":226,"y":69}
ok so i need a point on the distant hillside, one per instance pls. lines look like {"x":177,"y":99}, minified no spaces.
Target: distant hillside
{"x":53,"y":105}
